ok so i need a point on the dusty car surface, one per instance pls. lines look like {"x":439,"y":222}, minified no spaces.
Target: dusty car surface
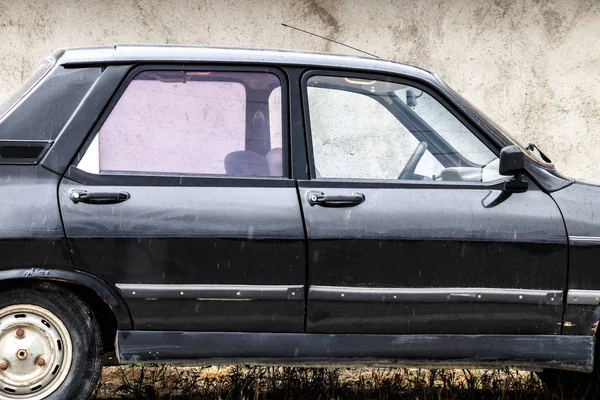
{"x":211,"y":205}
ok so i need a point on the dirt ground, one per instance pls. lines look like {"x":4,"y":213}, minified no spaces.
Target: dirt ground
{"x":239,"y":382}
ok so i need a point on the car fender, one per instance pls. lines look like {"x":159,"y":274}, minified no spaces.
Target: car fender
{"x":105,"y":291}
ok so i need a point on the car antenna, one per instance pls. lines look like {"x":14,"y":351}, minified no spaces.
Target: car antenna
{"x":331,"y":40}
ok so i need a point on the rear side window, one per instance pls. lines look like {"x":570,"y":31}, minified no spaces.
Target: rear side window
{"x":192,"y":122}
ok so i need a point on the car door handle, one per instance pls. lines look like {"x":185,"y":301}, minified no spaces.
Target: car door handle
{"x":319,"y":198}
{"x":83,"y":196}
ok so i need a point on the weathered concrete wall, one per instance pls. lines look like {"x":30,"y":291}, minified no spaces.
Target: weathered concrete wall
{"x":532,"y":65}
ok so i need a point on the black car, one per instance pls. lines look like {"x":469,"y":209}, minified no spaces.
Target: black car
{"x":212,"y":205}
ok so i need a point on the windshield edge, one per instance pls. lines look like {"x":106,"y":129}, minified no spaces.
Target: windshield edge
{"x":484,"y":118}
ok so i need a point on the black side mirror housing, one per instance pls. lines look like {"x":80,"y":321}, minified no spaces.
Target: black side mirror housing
{"x":411,"y":99}
{"x":512,"y":163}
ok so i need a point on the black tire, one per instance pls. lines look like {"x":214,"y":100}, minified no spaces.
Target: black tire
{"x":82,"y":327}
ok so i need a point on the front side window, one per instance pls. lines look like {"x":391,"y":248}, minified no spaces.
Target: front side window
{"x":192,"y":122}
{"x":377,"y":130}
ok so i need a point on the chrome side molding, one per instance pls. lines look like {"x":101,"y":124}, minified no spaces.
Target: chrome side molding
{"x":584,"y":239}
{"x":211,"y":292}
{"x":583,"y":297}
{"x":435,"y":295}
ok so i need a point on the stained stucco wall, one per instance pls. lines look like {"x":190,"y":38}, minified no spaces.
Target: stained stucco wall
{"x":532,"y":65}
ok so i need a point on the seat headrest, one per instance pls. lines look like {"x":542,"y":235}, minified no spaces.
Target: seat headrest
{"x":274,"y":160}
{"x":246,"y":163}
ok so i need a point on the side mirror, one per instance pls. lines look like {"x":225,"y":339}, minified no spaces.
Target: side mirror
{"x":411,"y":98}
{"x":512,"y":163}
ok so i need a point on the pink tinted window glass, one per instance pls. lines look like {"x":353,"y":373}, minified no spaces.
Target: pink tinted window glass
{"x":180,"y":123}
{"x":275,"y":118}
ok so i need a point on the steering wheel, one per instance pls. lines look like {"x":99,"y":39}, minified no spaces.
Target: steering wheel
{"x":411,"y":165}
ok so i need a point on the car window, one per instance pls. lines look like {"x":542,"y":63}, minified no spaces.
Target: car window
{"x":376,"y":130}
{"x":275,"y":122}
{"x":446,"y":125}
{"x":186,"y":122}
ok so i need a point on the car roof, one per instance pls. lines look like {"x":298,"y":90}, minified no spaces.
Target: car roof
{"x":118,"y":54}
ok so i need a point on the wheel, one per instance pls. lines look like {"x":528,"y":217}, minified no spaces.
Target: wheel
{"x":50,"y":345}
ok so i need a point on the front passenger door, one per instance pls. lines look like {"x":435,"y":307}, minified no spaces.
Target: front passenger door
{"x":408,"y":228}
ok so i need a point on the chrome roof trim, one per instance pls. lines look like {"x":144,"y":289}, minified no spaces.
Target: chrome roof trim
{"x":169,"y":53}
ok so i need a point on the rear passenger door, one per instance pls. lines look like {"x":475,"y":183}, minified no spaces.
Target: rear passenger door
{"x":181,"y":198}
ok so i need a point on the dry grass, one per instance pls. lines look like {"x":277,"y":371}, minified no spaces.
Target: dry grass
{"x":163,"y":382}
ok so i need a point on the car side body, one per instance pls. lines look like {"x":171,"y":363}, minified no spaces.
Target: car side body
{"x":275,"y":261}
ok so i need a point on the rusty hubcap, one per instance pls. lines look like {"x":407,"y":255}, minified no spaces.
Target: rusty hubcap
{"x":22,"y":354}
{"x":35,"y":352}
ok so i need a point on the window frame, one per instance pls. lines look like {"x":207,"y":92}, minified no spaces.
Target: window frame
{"x":181,"y":179}
{"x":401,"y":80}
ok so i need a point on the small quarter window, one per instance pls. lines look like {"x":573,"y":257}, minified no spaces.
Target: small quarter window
{"x":192,"y":122}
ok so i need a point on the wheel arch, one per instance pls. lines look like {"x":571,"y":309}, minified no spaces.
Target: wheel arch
{"x":101,"y":296}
